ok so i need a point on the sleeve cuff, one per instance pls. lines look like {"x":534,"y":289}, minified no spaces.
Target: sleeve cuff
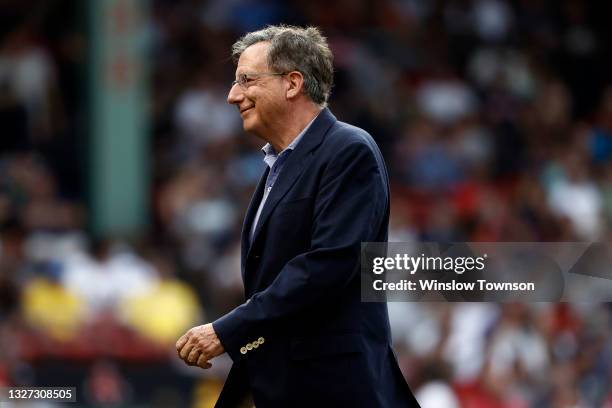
{"x":231,"y":336}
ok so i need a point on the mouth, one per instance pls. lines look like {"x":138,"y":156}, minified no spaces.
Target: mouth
{"x":245,"y":109}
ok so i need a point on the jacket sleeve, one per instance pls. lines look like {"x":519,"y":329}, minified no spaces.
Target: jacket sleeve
{"x":348,"y":209}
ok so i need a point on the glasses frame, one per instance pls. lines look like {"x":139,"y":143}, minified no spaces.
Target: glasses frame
{"x":245,"y":77}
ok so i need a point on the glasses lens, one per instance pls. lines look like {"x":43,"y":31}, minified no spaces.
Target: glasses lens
{"x":242,"y":80}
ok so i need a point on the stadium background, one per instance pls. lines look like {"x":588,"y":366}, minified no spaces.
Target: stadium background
{"x":124,"y":176}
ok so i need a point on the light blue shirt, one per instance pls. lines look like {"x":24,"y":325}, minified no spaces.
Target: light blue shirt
{"x":276,"y":162}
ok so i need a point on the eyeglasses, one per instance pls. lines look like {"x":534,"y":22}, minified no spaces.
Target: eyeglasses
{"x":246,"y":79}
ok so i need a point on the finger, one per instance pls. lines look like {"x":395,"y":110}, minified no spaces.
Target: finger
{"x":193,"y":356}
{"x":185,"y":351}
{"x":203,"y":363}
{"x":181,"y":341}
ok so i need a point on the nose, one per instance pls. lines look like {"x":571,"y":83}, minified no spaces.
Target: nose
{"x":235,"y":95}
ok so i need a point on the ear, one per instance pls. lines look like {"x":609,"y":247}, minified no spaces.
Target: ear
{"x":296,"y":84}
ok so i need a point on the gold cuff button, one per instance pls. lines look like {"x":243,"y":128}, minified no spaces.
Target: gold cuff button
{"x":261,"y":340}
{"x":255,"y":344}
{"x":249,"y":347}
{"x":243,"y":350}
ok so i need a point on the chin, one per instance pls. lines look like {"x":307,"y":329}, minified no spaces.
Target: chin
{"x":248,"y":125}
{"x":252,"y":130}
{"x":247,"y":128}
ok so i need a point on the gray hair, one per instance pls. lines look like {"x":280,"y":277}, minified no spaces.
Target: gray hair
{"x":296,"y":49}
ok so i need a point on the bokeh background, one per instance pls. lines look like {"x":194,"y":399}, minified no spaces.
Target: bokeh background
{"x":124,"y":176}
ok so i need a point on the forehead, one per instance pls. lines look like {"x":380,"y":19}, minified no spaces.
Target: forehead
{"x":253,"y":58}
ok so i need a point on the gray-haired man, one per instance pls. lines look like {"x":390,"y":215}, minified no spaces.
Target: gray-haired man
{"x":303,"y":338}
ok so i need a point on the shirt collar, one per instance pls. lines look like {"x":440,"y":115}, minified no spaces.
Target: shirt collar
{"x":268,"y":149}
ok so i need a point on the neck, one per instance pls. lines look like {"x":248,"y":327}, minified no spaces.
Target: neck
{"x":295,"y":122}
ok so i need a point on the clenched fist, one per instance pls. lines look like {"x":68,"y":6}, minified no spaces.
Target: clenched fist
{"x":199,"y":345}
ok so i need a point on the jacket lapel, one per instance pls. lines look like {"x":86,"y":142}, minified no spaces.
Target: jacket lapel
{"x":294,"y":166}
{"x":250,"y":215}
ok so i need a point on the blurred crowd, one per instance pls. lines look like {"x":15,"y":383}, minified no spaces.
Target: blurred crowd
{"x":494,"y":116}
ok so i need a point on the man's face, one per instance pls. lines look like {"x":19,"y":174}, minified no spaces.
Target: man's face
{"x":261,"y":100}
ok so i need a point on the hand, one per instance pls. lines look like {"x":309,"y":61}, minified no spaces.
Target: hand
{"x":199,"y":345}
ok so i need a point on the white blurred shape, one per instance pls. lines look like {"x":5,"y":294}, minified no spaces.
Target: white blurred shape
{"x":493,"y":19}
{"x":581,"y":203}
{"x":446,"y":101}
{"x":437,"y":394}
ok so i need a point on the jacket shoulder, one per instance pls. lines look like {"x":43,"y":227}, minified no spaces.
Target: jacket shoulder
{"x":342,"y":135}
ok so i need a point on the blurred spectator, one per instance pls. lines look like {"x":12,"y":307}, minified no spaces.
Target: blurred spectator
{"x":163,"y":311}
{"x":108,"y":276}
{"x":203,"y":115}
{"x":27,"y":73}
{"x":573,"y":195}
{"x":51,"y":308}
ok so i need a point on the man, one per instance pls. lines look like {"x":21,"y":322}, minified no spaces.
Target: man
{"x":303,"y":338}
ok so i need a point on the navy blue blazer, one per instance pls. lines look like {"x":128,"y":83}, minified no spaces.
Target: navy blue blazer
{"x":303,"y":338}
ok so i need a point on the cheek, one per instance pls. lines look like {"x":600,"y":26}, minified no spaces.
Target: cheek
{"x":261,"y":106}
{"x":251,"y":95}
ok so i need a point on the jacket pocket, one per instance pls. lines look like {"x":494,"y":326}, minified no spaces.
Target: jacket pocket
{"x":304,"y":348}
